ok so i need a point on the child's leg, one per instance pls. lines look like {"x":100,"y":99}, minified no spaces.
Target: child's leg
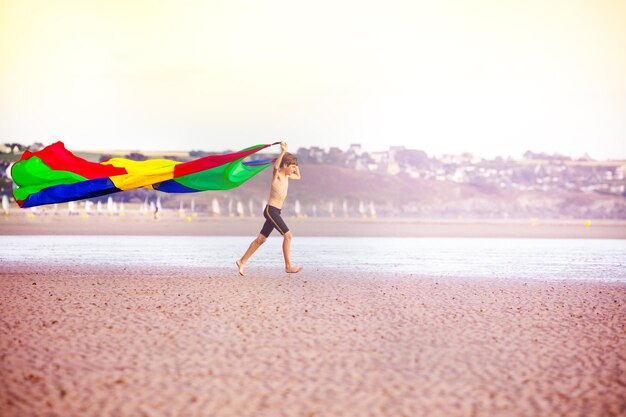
{"x":266,"y":230}
{"x":286,"y":253}
{"x":272,"y":214}
{"x":256,"y":243}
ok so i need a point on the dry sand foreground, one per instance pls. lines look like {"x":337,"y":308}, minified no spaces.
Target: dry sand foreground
{"x":79,"y":341}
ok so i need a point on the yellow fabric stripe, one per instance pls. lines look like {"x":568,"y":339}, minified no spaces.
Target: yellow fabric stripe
{"x":141,"y":173}
{"x":267,"y":211}
{"x":136,"y":167}
{"x":130,"y":181}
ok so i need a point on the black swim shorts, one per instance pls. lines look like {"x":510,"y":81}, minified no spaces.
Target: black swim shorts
{"x":273,"y":221}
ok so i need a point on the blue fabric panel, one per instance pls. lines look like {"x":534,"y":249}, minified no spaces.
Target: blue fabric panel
{"x":259,"y":162}
{"x":171,"y":186}
{"x":69,"y":192}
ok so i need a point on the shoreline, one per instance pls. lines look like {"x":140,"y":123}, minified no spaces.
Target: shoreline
{"x":171,"y":223}
{"x":127,"y":341}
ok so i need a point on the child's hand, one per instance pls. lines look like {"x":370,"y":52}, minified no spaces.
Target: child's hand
{"x":283,"y":146}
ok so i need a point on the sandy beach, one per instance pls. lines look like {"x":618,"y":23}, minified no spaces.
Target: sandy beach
{"x":171,"y":223}
{"x":96,"y":341}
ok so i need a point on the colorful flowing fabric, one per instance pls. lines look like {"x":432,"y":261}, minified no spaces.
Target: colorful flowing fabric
{"x":55,"y":175}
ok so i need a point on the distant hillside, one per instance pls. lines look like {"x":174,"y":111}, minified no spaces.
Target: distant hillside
{"x":400,"y":195}
{"x":390,"y":195}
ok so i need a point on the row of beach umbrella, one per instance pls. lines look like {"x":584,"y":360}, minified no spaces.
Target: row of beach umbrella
{"x":233,"y":208}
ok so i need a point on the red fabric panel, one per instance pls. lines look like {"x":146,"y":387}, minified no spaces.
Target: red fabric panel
{"x":27,"y":154}
{"x":211,"y":161}
{"x":59,"y":158}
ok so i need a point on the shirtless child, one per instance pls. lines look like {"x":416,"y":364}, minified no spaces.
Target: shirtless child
{"x":285,"y":168}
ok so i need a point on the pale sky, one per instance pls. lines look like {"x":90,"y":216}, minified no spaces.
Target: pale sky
{"x":491,"y":77}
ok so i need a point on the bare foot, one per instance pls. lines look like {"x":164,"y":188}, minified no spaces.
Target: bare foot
{"x":240,"y":266}
{"x":293,"y":269}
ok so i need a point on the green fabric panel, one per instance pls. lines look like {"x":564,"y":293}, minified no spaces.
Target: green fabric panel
{"x":33,"y":175}
{"x":224,"y":177}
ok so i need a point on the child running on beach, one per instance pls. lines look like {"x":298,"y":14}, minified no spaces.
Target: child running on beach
{"x":285,"y":168}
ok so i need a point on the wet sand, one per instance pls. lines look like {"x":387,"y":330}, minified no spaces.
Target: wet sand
{"x":95,"y":341}
{"x":170,"y":223}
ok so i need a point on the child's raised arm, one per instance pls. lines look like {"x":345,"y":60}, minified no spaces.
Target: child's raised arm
{"x":295,"y":175}
{"x":279,"y":160}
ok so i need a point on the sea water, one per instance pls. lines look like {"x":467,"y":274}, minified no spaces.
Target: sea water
{"x":547,"y":259}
